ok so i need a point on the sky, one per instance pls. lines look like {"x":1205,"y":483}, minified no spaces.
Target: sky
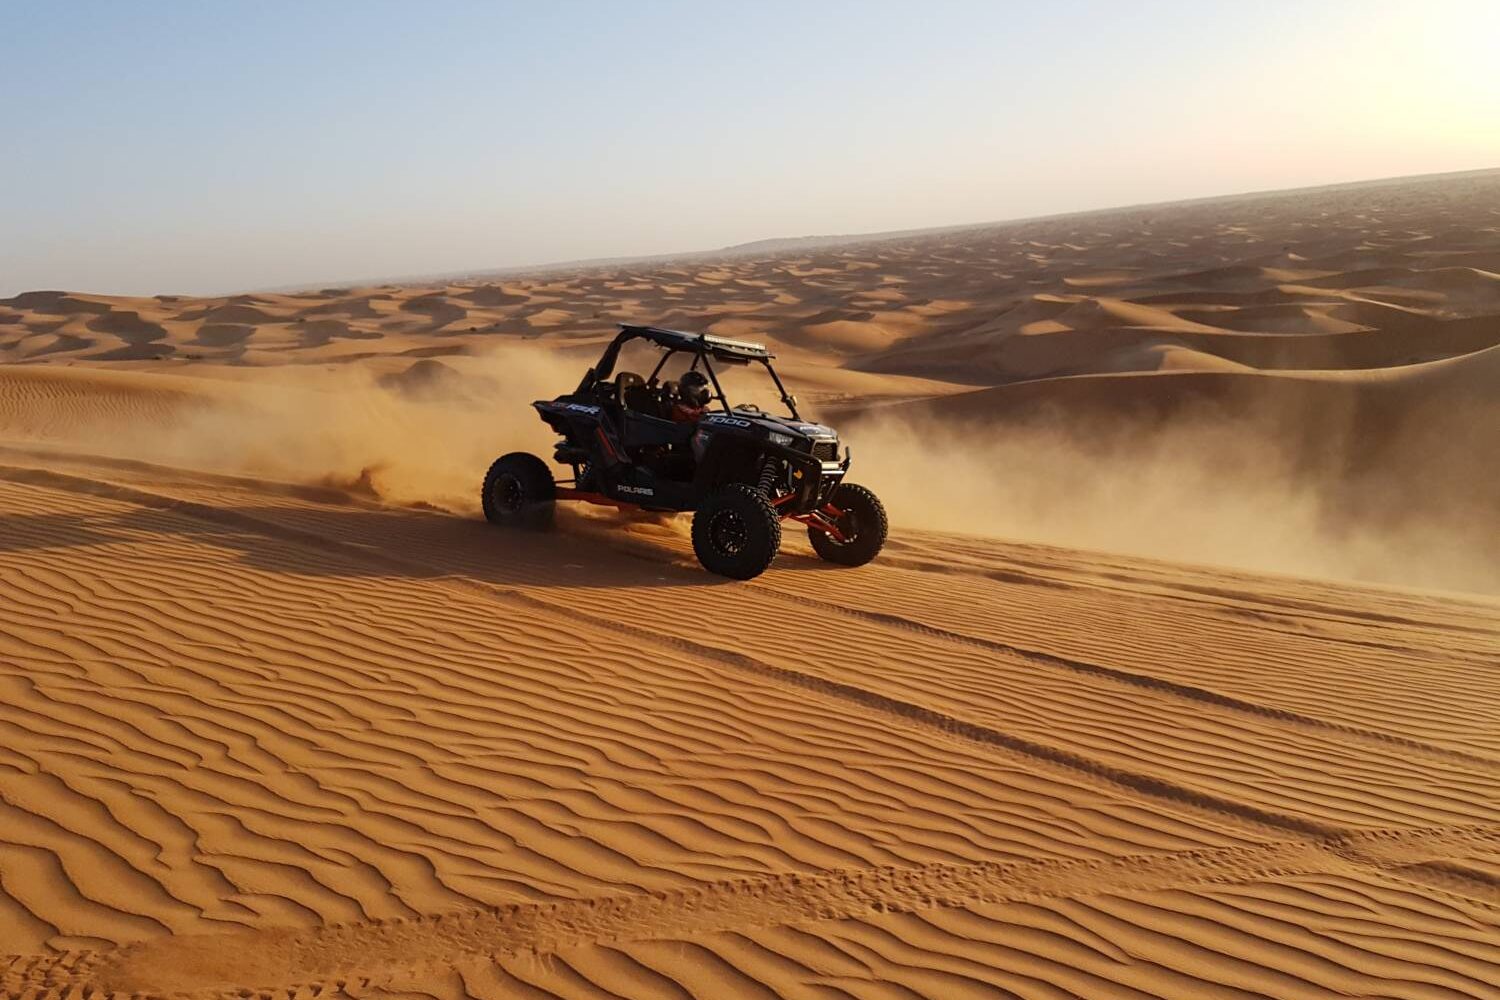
{"x":217,"y":146}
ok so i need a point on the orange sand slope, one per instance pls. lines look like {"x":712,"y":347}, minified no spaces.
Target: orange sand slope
{"x":393,"y":751}
{"x":280,"y":717}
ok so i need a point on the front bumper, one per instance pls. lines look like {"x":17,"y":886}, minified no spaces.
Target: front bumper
{"x":813,"y":481}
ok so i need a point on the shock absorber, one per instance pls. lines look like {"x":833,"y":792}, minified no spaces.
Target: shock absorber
{"x":768,"y":471}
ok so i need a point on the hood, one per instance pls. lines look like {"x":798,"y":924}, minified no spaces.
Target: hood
{"x":769,"y":423}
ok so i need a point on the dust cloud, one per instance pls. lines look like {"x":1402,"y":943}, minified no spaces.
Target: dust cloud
{"x":421,"y":437}
{"x":1212,"y":490}
{"x":1205,"y":489}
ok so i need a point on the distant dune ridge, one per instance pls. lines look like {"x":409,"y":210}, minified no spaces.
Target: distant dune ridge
{"x":1102,"y":721}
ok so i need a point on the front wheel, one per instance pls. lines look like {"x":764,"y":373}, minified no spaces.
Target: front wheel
{"x":519,"y":490}
{"x":861,"y":522}
{"x":736,"y":533}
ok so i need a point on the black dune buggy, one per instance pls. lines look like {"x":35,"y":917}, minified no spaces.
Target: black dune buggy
{"x":740,"y":469}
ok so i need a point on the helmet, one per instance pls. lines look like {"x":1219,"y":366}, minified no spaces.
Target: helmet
{"x":693,"y":389}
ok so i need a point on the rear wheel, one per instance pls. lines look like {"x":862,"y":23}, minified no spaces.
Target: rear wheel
{"x":862,"y":523}
{"x":519,"y":490}
{"x":736,"y":533}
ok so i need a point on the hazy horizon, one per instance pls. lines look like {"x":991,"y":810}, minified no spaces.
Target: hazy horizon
{"x":208,"y":150}
{"x":544,"y":266}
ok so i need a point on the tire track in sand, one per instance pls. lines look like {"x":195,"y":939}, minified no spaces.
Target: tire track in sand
{"x":1135,"y":679}
{"x":291,"y":962}
{"x":1143,"y":681}
{"x":1077,"y":766}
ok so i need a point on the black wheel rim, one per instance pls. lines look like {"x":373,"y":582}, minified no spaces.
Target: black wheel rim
{"x":848,"y":526}
{"x":509,"y":494}
{"x":727,"y":532}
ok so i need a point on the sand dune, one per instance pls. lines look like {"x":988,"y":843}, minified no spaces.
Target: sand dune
{"x":1165,"y":685}
{"x":1400,"y":259}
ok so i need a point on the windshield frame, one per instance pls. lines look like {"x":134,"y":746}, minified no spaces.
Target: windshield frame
{"x":787,"y":399}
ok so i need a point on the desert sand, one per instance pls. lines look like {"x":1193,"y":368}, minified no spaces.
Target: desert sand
{"x":1180,"y":676}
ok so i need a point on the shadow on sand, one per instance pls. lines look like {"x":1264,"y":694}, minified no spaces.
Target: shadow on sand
{"x":344,"y":540}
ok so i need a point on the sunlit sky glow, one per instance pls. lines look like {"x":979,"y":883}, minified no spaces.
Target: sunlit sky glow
{"x":218,"y":146}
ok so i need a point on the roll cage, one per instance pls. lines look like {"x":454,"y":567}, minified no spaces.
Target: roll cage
{"x":705,"y":349}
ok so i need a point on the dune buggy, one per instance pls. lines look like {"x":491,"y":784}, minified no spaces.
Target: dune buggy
{"x":637,"y":442}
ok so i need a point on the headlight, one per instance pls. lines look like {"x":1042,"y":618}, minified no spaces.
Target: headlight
{"x":785,"y":440}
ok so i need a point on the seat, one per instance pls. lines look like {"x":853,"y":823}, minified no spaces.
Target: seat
{"x":628,"y":390}
{"x":636,"y":396}
{"x":641,"y":399}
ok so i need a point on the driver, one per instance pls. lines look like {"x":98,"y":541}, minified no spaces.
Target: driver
{"x":693,"y":395}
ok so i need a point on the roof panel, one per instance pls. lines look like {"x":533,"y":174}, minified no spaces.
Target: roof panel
{"x":681,"y":340}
